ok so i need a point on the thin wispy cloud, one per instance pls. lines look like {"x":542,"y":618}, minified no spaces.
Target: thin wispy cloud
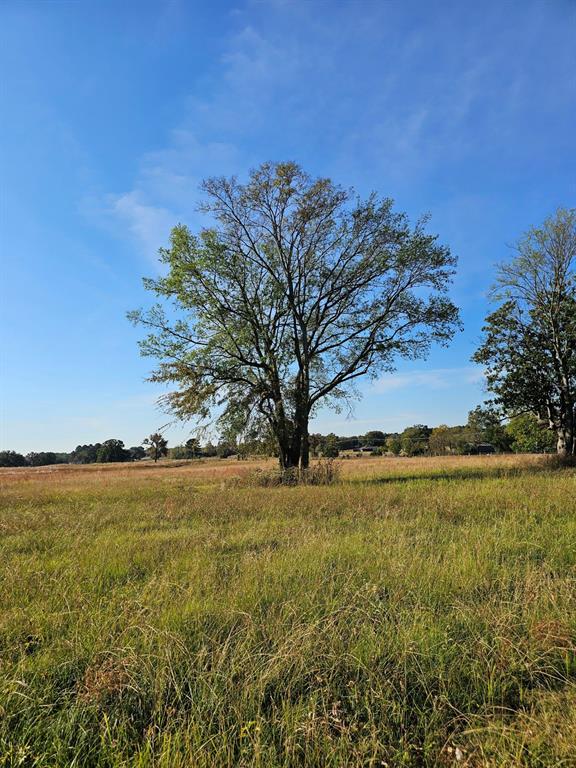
{"x":289,"y":77}
{"x":149,"y":224}
{"x":436,"y":378}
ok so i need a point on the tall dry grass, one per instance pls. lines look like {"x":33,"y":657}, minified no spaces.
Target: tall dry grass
{"x":419,"y":612}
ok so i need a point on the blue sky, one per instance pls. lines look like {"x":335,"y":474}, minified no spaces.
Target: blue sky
{"x":111,"y":114}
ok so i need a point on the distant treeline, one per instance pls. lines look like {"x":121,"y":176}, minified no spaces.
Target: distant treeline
{"x":108,"y":451}
{"x":523,"y":434}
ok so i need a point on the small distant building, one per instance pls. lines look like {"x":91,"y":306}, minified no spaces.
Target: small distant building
{"x":485,"y":448}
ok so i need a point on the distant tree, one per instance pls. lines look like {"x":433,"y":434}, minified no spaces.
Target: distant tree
{"x":394,"y":444}
{"x":256,"y":440}
{"x":485,"y":426}
{"x":297,"y":290}
{"x":459,"y":440}
{"x":414,"y":440}
{"x":440,"y":439}
{"x":192,"y":446}
{"x":529,"y":346}
{"x":349,"y":443}
{"x":12,"y":459}
{"x":259,"y":443}
{"x":316,"y":441}
{"x":157,"y":446}
{"x":136,"y":452}
{"x":245,"y":449}
{"x":85,"y":454}
{"x":527,"y":435}
{"x":374,"y":437}
{"x":42,"y":458}
{"x":330,"y":446}
{"x":112,"y":451}
{"x":225,"y":449}
{"x":444,"y":439}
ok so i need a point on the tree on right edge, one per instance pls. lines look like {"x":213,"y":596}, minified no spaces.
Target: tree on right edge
{"x":529,"y":346}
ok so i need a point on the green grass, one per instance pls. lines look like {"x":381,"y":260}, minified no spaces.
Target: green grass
{"x":413,"y":614}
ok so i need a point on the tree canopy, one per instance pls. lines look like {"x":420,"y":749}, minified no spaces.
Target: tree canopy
{"x":297,"y":290}
{"x":12,"y":459}
{"x":485,"y":426}
{"x":157,"y":446}
{"x":112,"y":451}
{"x":529,"y":345}
{"x":85,"y":454}
{"x":414,"y":440}
{"x":45,"y":458}
{"x":527,"y":435}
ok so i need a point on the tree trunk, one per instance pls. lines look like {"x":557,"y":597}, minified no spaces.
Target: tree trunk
{"x":295,"y":449}
{"x":284,"y":452}
{"x":289,"y":448}
{"x":565,"y":444}
{"x":571,"y":443}
{"x":304,"y":445}
{"x":296,"y":441}
{"x":281,"y":430}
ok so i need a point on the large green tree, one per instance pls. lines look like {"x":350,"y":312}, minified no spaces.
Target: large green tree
{"x":298,"y":289}
{"x":529,"y":345}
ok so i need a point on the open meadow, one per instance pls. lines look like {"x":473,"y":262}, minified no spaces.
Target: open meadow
{"x":418,"y":612}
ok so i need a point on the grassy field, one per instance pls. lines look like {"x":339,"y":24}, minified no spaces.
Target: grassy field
{"x":421,"y":612}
